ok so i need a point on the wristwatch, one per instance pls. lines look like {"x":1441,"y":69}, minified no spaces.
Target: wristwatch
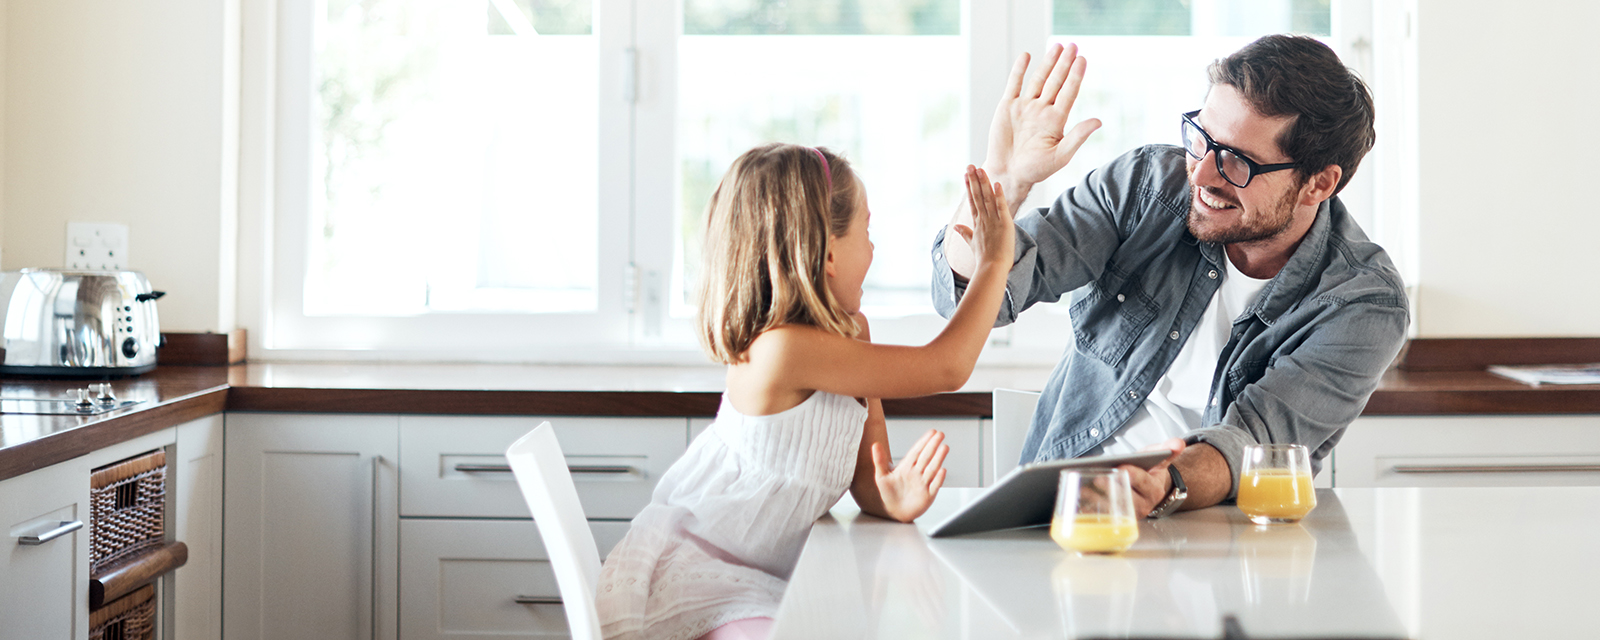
{"x":1174,"y":498}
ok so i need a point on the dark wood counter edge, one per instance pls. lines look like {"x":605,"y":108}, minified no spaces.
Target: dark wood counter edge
{"x":1459,"y":354}
{"x":60,"y":447}
{"x":546,"y":403}
{"x":1530,"y":401}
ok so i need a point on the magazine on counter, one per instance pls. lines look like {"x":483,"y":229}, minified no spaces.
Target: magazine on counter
{"x":1550,"y":373}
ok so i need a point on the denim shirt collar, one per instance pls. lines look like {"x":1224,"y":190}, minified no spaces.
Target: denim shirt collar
{"x":1289,"y":286}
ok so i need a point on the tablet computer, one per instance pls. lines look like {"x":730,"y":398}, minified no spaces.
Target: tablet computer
{"x":1026,"y":497}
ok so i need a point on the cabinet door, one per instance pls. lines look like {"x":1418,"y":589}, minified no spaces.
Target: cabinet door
{"x":44,"y":588}
{"x":1477,"y":451}
{"x":462,"y":579}
{"x":311,"y":526}
{"x":456,"y":466}
{"x":195,"y":484}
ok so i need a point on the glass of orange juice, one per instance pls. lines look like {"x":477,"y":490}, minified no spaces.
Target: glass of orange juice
{"x":1094,"y":512}
{"x":1275,"y":483}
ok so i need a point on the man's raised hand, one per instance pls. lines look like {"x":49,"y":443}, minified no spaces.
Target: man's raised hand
{"x":1028,"y":140}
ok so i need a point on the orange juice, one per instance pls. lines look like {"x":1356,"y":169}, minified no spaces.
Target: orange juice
{"x":1095,"y":533}
{"x":1275,"y":495}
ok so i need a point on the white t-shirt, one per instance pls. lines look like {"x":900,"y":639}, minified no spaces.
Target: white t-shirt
{"x":1178,"y":400}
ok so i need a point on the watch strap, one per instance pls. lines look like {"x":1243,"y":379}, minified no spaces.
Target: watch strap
{"x":1175,"y":496}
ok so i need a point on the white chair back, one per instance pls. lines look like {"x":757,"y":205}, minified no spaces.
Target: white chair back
{"x":1013,"y":413}
{"x":546,"y":484}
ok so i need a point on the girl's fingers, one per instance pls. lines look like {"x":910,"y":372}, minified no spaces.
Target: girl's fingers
{"x":937,"y":464}
{"x":930,"y":446}
{"x":938,"y":481}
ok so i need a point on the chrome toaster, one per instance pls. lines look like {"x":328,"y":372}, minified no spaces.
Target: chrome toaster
{"x":58,"y":322}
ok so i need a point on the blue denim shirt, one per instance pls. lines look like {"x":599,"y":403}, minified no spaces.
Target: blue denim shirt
{"x":1298,"y":366}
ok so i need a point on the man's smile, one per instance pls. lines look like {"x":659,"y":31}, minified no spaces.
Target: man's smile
{"x":1212,"y":202}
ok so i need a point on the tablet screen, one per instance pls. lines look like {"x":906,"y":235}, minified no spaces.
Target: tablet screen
{"x":1026,"y":497}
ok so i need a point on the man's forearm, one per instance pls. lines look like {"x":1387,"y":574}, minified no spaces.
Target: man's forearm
{"x":1206,"y":474}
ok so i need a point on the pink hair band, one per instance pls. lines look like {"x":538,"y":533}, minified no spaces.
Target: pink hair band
{"x":827,"y":171}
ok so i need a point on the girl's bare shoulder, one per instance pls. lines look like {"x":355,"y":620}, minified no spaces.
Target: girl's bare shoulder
{"x":780,"y":344}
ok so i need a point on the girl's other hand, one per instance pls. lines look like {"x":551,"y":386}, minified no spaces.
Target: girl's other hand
{"x":909,"y":489}
{"x":992,"y":235}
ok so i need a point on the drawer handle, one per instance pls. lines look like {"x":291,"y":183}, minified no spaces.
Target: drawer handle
{"x":536,"y":600}
{"x":62,"y":529}
{"x":469,"y":467}
{"x":1495,"y":468}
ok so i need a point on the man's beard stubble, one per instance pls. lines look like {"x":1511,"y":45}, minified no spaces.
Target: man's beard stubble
{"x":1261,"y":225}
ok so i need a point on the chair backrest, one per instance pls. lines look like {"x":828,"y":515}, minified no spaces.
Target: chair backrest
{"x":1013,"y":414}
{"x":546,"y":484}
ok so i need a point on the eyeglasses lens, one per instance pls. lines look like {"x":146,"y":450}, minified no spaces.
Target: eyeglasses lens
{"x":1234,"y":168}
{"x":1193,"y":141}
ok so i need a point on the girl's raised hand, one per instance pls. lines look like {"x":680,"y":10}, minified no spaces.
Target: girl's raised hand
{"x":991,"y":236}
{"x":908,"y":490}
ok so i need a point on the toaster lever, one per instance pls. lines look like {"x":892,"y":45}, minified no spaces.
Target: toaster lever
{"x":146,"y":297}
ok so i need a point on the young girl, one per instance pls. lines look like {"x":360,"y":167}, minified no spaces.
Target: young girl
{"x":786,"y":252}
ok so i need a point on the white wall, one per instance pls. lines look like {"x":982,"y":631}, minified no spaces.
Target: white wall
{"x":1508,"y":238}
{"x":126,"y":111}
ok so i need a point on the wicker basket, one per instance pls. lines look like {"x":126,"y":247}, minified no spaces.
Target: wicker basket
{"x":131,"y":617}
{"x":127,"y":508}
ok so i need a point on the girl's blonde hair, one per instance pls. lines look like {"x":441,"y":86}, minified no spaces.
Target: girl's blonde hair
{"x":768,"y":228}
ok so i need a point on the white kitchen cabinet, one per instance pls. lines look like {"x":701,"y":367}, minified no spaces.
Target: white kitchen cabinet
{"x":469,"y":550}
{"x":193,"y":596}
{"x":475,"y":578}
{"x":1443,"y":451}
{"x":44,"y":588}
{"x":964,"y":464}
{"x":455,"y":466}
{"x":311,"y":526}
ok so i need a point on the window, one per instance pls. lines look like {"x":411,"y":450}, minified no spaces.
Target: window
{"x":526,"y":179}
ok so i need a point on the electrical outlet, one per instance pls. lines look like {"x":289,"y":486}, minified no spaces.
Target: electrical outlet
{"x":97,"y":246}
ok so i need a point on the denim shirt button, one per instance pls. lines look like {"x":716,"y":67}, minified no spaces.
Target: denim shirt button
{"x":1212,"y":274}
{"x":1121,"y":297}
{"x":1094,"y":433}
{"x":1133,"y":394}
{"x":1173,"y":335}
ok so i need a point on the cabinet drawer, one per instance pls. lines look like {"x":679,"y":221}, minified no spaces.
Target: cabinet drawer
{"x":1461,"y":451}
{"x":963,"y":465}
{"x":456,"y":466}
{"x":461,"y":578}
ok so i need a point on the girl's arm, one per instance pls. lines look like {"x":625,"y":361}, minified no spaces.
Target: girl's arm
{"x":879,"y":487}
{"x":800,"y":357}
{"x":896,"y":492}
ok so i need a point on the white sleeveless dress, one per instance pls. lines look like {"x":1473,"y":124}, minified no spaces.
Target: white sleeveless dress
{"x":725,"y":525}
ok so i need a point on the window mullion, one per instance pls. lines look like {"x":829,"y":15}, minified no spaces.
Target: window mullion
{"x":654,"y":166}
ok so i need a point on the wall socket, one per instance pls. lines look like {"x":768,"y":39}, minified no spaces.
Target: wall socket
{"x":97,"y":246}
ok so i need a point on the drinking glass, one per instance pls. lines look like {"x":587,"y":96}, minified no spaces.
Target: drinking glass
{"x":1275,"y":483}
{"x":1094,"y":512}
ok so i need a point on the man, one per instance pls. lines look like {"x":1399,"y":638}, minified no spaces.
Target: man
{"x":1221,"y":295}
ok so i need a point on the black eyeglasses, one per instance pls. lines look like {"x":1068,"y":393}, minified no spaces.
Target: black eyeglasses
{"x":1237,"y":169}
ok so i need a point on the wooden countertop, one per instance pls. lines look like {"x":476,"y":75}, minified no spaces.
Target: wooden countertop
{"x":181,"y":393}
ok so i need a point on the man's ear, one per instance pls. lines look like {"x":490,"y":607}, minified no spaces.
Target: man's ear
{"x":1320,"y":186}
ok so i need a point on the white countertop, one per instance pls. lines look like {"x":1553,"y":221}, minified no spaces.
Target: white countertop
{"x":1368,"y":563}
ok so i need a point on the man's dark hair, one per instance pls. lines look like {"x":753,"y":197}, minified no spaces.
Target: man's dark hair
{"x":1299,"y":77}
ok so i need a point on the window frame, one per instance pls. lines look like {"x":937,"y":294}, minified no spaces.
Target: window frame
{"x":633,"y":325}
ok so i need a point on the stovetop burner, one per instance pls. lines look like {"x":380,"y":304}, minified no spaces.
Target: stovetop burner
{"x":92,"y":400}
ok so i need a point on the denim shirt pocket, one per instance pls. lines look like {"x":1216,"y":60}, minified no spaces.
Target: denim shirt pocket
{"x":1107,"y":325}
